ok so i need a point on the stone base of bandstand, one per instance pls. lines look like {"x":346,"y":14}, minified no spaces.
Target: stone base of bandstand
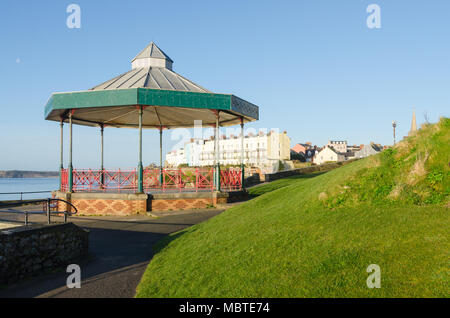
{"x":122,"y":204}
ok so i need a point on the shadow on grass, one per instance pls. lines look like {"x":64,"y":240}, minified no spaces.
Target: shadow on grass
{"x":305,"y":176}
{"x":161,"y":244}
{"x":280,"y":183}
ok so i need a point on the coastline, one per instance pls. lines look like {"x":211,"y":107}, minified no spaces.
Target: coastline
{"x":29,"y":177}
{"x":18,"y":174}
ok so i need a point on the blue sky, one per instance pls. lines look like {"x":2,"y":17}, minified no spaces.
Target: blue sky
{"x":313,"y":67}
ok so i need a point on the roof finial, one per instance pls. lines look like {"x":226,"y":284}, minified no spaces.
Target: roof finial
{"x":152,"y":56}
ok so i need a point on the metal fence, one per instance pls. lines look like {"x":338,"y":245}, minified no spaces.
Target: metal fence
{"x":20,"y":194}
{"x":230,"y":179}
{"x":49,"y":208}
{"x":179,"y":179}
{"x":120,"y":180}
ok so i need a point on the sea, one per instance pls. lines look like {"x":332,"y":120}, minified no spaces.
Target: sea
{"x":9,"y":185}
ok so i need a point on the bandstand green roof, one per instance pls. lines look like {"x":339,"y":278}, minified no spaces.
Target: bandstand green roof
{"x":168,"y":99}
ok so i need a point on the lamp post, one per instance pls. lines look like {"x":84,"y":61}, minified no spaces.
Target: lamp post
{"x":394,"y":124}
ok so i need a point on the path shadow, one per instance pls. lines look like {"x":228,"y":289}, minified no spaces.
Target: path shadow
{"x":117,"y":251}
{"x":159,"y":246}
{"x":109,"y":250}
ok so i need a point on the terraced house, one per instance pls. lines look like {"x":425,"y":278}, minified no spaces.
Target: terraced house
{"x":260,"y":150}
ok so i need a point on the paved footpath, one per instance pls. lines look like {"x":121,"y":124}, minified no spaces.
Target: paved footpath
{"x":120,"y":249}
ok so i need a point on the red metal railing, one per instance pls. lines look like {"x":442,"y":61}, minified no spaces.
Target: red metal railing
{"x":178,"y":179}
{"x":117,"y":180}
{"x":64,"y":180}
{"x":151,"y":179}
{"x":230,"y":179}
{"x":87,"y":180}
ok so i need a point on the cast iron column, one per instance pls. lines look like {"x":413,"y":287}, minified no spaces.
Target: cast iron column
{"x":160,"y":156}
{"x":140,"y":167}
{"x":70,"y":167}
{"x":242,"y":154}
{"x":61,"y":155}
{"x":217,"y":137}
{"x":102,"y":168}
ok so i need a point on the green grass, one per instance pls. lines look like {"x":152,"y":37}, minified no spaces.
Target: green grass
{"x":315,"y":237}
{"x":416,"y":171}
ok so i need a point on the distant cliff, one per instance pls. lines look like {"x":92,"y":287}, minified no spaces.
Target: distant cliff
{"x":28,"y":174}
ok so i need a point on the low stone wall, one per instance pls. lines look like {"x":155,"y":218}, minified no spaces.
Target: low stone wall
{"x":185,"y":201}
{"x":121,"y":204}
{"x":104,"y":203}
{"x":28,"y":251}
{"x":306,"y":170}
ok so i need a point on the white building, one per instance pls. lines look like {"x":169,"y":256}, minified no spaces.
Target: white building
{"x":328,"y":154}
{"x":338,"y":145}
{"x":176,"y":158}
{"x":259,"y":151}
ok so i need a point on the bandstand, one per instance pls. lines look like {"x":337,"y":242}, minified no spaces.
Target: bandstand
{"x":150,"y":96}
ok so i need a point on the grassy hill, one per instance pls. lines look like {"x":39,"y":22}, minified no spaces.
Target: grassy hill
{"x":316,"y":236}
